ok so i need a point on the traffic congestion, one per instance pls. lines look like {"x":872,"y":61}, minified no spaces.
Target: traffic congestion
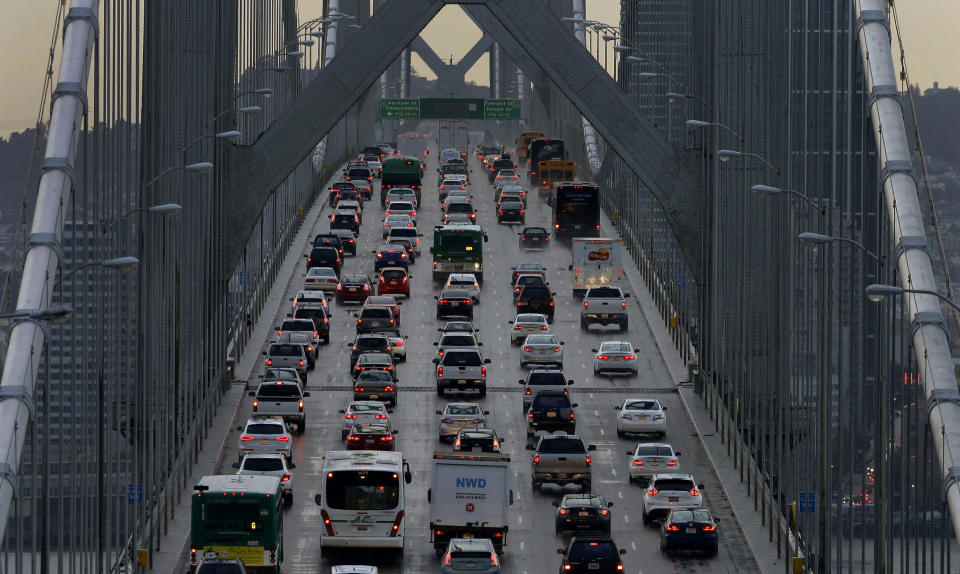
{"x":460,"y":380}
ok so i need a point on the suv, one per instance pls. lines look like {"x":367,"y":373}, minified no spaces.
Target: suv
{"x":320,"y":317}
{"x":579,"y":512}
{"x":305,"y":340}
{"x":357,"y":171}
{"x":591,"y":554}
{"x":307,"y":325}
{"x":551,"y":411}
{"x":345,"y":219}
{"x":528,"y":279}
{"x":328,"y":240}
{"x":368,"y":343}
{"x":604,"y":304}
{"x":265,"y":435}
{"x":324,"y":257}
{"x":335,"y":190}
{"x":666,"y":491}
{"x":536,"y":299}
{"x":267,"y":465}
{"x":458,"y":205}
{"x":371,"y":319}
{"x":460,"y":370}
{"x":282,"y":399}
{"x":539,"y":380}
{"x":287,"y":355}
{"x":410,"y":233}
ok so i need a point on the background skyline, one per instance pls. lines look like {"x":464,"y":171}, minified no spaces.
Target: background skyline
{"x":26,"y":29}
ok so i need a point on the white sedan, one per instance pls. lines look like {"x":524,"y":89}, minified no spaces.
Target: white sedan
{"x":650,"y":458}
{"x":269,"y":465}
{"x":526,"y":324}
{"x":396,"y":220}
{"x":542,"y":350}
{"x":466,"y":281}
{"x":363,"y":412}
{"x":323,"y":278}
{"x":615,"y":356}
{"x":641,"y":416}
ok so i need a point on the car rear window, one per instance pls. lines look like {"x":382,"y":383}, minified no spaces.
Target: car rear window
{"x":309,"y":314}
{"x":690,"y":516}
{"x":568,"y":445}
{"x":460,"y":208}
{"x":606,"y":292}
{"x":533,"y":291}
{"x":654,"y":451}
{"x":372,"y":342}
{"x":375,"y":359}
{"x":551,"y":402}
{"x":587,"y":550}
{"x":403,"y":233}
{"x":279,"y":390}
{"x":286,"y":350}
{"x":401,"y":206}
{"x":546,"y":379}
{"x":462,"y":359}
{"x":393,"y":274}
{"x":375,"y":313}
{"x":262,"y":464}
{"x":265,"y":428}
{"x":463,"y":410}
{"x":374,"y":376}
{"x":674,"y":484}
{"x":641,"y":405}
{"x":458,"y":341}
{"x":360,"y":280}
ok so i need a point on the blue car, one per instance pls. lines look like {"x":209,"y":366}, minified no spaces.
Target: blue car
{"x":391,"y":256}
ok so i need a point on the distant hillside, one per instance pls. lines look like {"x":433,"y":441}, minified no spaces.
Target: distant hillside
{"x":939,"y":112}
{"x":14,"y":158}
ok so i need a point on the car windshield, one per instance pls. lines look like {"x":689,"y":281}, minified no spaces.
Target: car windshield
{"x":462,"y":359}
{"x":565,"y":445}
{"x":604,"y":292}
{"x":286,"y":350}
{"x":262,"y":464}
{"x":542,"y":340}
{"x":654,"y":451}
{"x":362,"y":490}
{"x":463,"y":410}
{"x":274,"y":390}
{"x":550,"y":402}
{"x":674,"y":484}
{"x":266,"y":428}
{"x":641,"y":406}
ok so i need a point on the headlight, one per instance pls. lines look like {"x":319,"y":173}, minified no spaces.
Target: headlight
{"x":476,"y":266}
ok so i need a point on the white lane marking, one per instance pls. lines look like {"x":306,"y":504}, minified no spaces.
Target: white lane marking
{"x":633,"y":545}
{"x":613,"y":471}
{"x":626,"y":518}
{"x":519,"y":519}
{"x":602,"y":433}
{"x":619,"y":494}
{"x":595,"y":411}
{"x":521,"y":546}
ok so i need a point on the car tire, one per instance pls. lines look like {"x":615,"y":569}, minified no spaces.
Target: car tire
{"x":714,"y":551}
{"x":439,"y":391}
{"x":523,"y":365}
{"x":343,"y":435}
{"x":288,"y":499}
{"x":483,"y":392}
{"x":645,"y":519}
{"x":584,"y":325}
{"x":619,"y":434}
{"x":536,"y":485}
{"x":302,"y":426}
{"x":624,"y":324}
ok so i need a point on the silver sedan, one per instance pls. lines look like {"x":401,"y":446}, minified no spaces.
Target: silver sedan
{"x":527,"y":324}
{"x":542,"y":350}
{"x":460,"y":415}
{"x":615,"y":356}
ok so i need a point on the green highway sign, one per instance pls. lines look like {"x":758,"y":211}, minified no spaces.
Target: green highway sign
{"x":450,"y":109}
{"x":399,"y":108}
{"x":501,"y":109}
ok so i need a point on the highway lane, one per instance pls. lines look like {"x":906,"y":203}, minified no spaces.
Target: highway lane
{"x":531,"y":545}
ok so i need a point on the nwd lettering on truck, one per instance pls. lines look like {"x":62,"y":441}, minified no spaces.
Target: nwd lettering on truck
{"x":457,"y":249}
{"x":238,"y":517}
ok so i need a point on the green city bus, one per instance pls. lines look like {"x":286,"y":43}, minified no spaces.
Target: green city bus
{"x":457,"y":249}
{"x":237,"y":516}
{"x":403,"y":171}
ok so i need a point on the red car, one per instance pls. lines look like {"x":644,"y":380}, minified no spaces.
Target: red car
{"x":354,"y":289}
{"x":394,"y":280}
{"x":372,"y":436}
{"x":387,"y":301}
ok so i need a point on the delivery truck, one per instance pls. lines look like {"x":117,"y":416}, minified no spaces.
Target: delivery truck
{"x":469,"y":496}
{"x":596,"y":261}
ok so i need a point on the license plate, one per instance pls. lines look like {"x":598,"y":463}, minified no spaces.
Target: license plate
{"x":551,"y":415}
{"x":369,"y":441}
{"x":471,"y":564}
{"x":353,"y":289}
{"x":373,"y":396}
{"x":361,"y":528}
{"x":653,"y":463}
{"x":454,"y":303}
{"x":674,"y":499}
{"x":604,"y":315}
{"x":467,"y":535}
{"x":593,"y":566}
{"x":691,"y":530}
{"x":584,"y":513}
{"x":265,"y":441}
{"x":461,"y":381}
{"x":477,"y":449}
{"x":561,"y":475}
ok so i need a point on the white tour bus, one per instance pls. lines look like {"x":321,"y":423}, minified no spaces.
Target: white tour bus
{"x":362,"y":499}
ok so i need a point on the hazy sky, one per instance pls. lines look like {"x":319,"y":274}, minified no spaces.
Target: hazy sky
{"x":26,"y":27}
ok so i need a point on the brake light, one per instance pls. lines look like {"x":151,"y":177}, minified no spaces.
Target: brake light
{"x":269,"y":362}
{"x":255,"y":405}
{"x":623,"y":304}
{"x":381,"y":416}
{"x":638,"y":463}
{"x":388,"y":389}
{"x":246,"y":438}
{"x":444,"y":301}
{"x":572,"y":416}
{"x":358,"y":389}
{"x":516,"y":327}
{"x":283,"y":438}
{"x":351,"y":437}
{"x":673,"y":528}
{"x":326,"y":522}
{"x":301,"y":406}
{"x":501,"y":212}
{"x":286,"y":478}
{"x":557,"y":226}
{"x":339,"y":287}
{"x":653,"y":491}
{"x":603,"y":357}
{"x":556,"y":349}
{"x":671,"y":463}
{"x":446,"y":561}
{"x":301,"y":363}
{"x":563,"y":511}
{"x":349,"y":416}
{"x":694,"y":492}
{"x":604,"y":512}
{"x":483,"y":371}
{"x":709,"y":528}
{"x":446,"y":421}
{"x":543,"y":328}
{"x":536,"y":459}
{"x":439,"y":371}
{"x":566,"y":566}
{"x":526,"y":349}
{"x":586,"y":304}
{"x":630,"y":357}
{"x":619,"y":566}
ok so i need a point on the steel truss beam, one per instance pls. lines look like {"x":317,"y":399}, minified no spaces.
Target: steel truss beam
{"x":534,"y":38}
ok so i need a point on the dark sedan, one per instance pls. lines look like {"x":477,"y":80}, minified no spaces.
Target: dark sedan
{"x":373,"y":436}
{"x":454,"y":303}
{"x":354,"y":289}
{"x":582,"y":512}
{"x":689,"y":529}
{"x":533,"y":237}
{"x":390,"y":256}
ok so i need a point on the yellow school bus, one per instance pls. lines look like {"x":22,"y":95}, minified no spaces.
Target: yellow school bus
{"x":523,"y":141}
{"x":553,"y":170}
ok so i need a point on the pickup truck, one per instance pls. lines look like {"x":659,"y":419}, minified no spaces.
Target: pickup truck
{"x":282,"y":399}
{"x":460,"y":370}
{"x":536,"y":299}
{"x":562,"y":460}
{"x":604,"y":305}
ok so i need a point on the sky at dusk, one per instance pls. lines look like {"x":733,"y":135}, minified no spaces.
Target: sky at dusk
{"x":26,"y":26}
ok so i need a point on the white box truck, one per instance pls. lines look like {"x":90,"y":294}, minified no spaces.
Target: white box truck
{"x":468,"y":498}
{"x":596,"y":261}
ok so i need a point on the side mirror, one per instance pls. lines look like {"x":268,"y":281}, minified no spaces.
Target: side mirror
{"x":636,"y":350}
{"x":676,"y":454}
{"x":552,"y":293}
{"x":485,"y":413}
{"x":316,"y":499}
{"x":616,"y":408}
{"x":559,"y":550}
{"x":629,"y":453}
{"x":479,"y":344}
{"x":252,"y":394}
{"x":342,"y":411}
{"x":435,"y":361}
{"x":594,"y":351}
{"x":356,"y":316}
{"x":663,"y":408}
{"x":510,"y":322}
{"x":569,"y":267}
{"x":511,"y":499}
{"x":395,"y":432}
{"x":486,"y":361}
{"x":592,"y":447}
{"x":235,"y":465}
{"x":276,"y":328}
{"x":623,"y":551}
{"x":436,"y":343}
{"x":289,"y":314}
{"x":291,"y":299}
{"x":439,"y":412}
{"x":521,"y":381}
{"x":609,"y":505}
{"x":264,"y":353}
{"x":717,"y":520}
{"x":625,"y":295}
{"x":407,"y":476}
{"x":239,"y":428}
{"x":529,"y":447}
{"x":306,"y":394}
{"x":436,"y":298}
{"x":389,"y":411}
{"x":555,"y":503}
{"x":574,"y":405}
{"x":562,"y":343}
{"x":571,"y":381}
{"x":291,"y":466}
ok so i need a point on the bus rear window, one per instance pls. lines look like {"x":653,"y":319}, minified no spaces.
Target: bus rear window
{"x":355,"y":490}
{"x":231,"y":516}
